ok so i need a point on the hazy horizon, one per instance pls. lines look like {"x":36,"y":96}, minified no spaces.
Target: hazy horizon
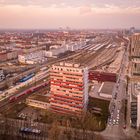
{"x":80,"y":14}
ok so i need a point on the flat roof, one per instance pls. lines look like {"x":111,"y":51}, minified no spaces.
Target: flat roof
{"x":107,"y":88}
{"x":38,"y":97}
{"x":69,"y":64}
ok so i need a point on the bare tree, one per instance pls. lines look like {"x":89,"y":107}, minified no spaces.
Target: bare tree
{"x":68,"y":131}
{"x":54,"y":131}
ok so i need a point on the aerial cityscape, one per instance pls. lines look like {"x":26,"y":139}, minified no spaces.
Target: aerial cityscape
{"x":69,"y":70}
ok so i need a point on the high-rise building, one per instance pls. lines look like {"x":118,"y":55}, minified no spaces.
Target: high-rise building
{"x":135,"y":45}
{"x":69,"y":88}
{"x":138,"y":111}
{"x":135,"y":79}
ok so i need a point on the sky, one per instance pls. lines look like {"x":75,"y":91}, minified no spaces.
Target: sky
{"x":48,"y":14}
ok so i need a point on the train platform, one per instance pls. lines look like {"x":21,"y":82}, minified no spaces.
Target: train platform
{"x":115,"y":65}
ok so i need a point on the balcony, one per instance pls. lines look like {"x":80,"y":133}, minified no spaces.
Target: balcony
{"x":66,"y":97}
{"x":64,"y":111}
{"x":67,"y":86}
{"x":66,"y":104}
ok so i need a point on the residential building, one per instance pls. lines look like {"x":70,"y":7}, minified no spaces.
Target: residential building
{"x":135,"y":80}
{"x":69,"y":88}
{"x":138,"y":111}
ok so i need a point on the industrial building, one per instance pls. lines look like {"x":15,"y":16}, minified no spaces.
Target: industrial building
{"x":69,"y":88}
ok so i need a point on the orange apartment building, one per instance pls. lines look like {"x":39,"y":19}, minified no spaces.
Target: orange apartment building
{"x":69,"y":88}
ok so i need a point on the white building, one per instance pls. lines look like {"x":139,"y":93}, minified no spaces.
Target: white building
{"x":32,"y":58}
{"x":72,"y":46}
{"x":55,"y":52}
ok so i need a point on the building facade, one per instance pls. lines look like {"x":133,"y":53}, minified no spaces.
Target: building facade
{"x":135,"y":79}
{"x":138,"y":111}
{"x":32,"y":58}
{"x":2,"y":75}
{"x":69,"y":88}
{"x":38,"y":101}
{"x":135,"y":45}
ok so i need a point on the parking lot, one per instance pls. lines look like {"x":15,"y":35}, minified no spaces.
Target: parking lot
{"x":30,"y":113}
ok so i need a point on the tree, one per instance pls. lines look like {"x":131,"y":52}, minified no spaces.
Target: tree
{"x":68,"y":131}
{"x":54,"y":131}
{"x":98,"y":137}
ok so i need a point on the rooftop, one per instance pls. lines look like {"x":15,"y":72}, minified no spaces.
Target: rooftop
{"x":41,"y":98}
{"x":107,"y":88}
{"x":69,"y":64}
{"x":137,"y":34}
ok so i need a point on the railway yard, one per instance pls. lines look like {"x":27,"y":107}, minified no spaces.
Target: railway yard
{"x":103,"y":53}
{"x":96,"y":55}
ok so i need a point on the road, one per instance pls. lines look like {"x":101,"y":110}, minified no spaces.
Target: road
{"x":98,"y":51}
{"x":116,"y":120}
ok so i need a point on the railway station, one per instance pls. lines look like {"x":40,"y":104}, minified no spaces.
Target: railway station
{"x":69,"y":78}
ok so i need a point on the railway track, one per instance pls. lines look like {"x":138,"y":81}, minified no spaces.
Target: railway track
{"x":5,"y":107}
{"x":105,"y":62}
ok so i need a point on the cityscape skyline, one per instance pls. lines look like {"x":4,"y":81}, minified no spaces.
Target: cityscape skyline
{"x":47,"y":14}
{"x":70,"y":69}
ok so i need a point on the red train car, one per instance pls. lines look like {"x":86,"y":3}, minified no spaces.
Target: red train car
{"x":28,"y":91}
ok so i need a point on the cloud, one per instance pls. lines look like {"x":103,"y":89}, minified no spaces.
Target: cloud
{"x":73,"y":13}
{"x":71,"y":3}
{"x":85,"y":6}
{"x":43,"y":3}
{"x":85,"y":10}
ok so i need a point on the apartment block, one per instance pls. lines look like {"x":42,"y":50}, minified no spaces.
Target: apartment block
{"x":69,"y":88}
{"x":135,"y":79}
